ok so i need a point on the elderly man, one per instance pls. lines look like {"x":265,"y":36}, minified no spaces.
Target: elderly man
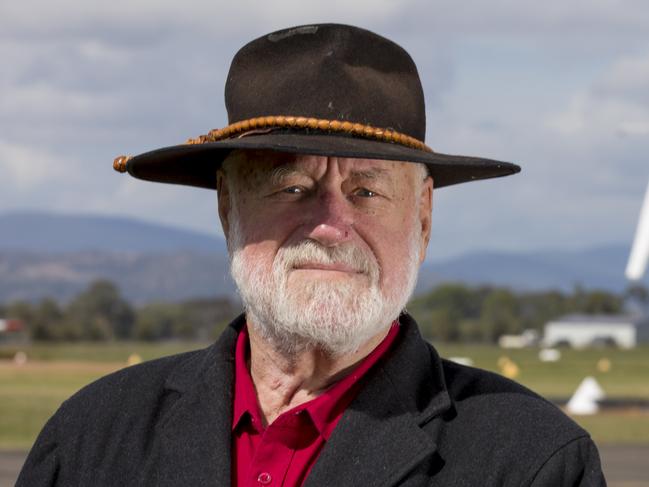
{"x":324,"y":190}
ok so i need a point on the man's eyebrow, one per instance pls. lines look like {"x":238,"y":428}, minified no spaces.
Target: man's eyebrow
{"x":372,"y":173}
{"x":282,"y":171}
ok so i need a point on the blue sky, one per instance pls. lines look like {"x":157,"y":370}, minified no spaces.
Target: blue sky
{"x":562,"y":88}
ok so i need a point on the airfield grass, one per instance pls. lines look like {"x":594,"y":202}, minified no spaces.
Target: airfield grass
{"x":628,"y":375}
{"x":30,"y":393}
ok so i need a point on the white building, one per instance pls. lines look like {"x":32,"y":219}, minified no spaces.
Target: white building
{"x":579,"y":331}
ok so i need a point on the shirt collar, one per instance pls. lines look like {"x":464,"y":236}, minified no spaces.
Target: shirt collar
{"x":324,"y":410}
{"x":245,"y":396}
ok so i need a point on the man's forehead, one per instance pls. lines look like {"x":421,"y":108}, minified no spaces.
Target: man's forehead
{"x":278,"y":163}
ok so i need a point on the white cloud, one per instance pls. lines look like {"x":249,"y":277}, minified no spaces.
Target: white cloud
{"x":616,"y":103}
{"x":25,"y":168}
{"x":47,"y":103}
{"x":627,"y":79}
{"x":145,"y":21}
{"x":552,"y":18}
{"x":635,"y":128}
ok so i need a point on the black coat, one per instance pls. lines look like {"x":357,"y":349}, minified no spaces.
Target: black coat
{"x":418,"y":421}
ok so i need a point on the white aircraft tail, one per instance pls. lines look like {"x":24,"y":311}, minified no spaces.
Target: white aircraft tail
{"x":639,"y":256}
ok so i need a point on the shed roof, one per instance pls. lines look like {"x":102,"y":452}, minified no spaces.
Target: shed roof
{"x":584,"y":319}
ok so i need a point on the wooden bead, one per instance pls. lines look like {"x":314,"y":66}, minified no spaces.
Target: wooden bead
{"x":301,"y":121}
{"x":324,"y":124}
{"x":119,"y":164}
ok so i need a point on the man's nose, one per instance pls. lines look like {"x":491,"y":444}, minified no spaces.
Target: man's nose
{"x":332,"y":220}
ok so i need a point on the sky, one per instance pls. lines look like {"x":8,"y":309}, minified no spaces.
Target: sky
{"x":561,"y":88}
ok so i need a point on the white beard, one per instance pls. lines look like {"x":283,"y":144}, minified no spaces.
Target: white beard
{"x":337,"y":316}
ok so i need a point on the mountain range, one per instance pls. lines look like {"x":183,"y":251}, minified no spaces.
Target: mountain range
{"x":55,"y":255}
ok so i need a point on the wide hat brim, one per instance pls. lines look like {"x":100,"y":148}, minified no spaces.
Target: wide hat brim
{"x":328,"y":90}
{"x":196,"y":165}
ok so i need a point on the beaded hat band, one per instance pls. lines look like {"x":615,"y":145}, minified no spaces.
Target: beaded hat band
{"x":282,"y":121}
{"x":246,"y":127}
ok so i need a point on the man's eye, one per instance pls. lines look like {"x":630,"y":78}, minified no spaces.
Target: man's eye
{"x":293,"y":190}
{"x":364,"y":193}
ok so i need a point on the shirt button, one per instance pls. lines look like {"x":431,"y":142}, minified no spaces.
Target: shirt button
{"x":264,"y":478}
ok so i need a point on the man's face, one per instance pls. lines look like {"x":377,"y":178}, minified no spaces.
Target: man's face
{"x":325,"y":251}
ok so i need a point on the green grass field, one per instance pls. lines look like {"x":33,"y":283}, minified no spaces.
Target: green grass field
{"x":30,"y":393}
{"x":628,"y":375}
{"x":99,"y":352}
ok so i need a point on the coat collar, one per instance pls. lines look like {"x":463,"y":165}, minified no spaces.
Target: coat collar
{"x":379,"y":439}
{"x":195,"y":439}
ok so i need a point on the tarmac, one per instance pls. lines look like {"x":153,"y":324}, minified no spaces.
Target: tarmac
{"x":624,"y":465}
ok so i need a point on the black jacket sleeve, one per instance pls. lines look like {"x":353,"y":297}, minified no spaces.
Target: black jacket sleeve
{"x":42,"y":465}
{"x":575,"y":464}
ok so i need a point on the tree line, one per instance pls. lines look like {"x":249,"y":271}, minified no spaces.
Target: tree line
{"x":101,"y":313}
{"x":457,"y":313}
{"x":449,"y":312}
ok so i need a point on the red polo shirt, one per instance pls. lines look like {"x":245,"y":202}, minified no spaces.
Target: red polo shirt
{"x":283,"y":453}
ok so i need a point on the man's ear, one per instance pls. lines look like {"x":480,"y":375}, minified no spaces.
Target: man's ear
{"x":223,"y":198}
{"x":425,"y":215}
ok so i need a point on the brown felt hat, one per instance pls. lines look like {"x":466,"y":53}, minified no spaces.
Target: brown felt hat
{"x":328,"y":89}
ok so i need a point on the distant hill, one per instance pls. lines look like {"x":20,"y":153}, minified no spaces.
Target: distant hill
{"x":599,"y":267}
{"x":141,"y":276}
{"x":51,"y":232}
{"x":44,"y":255}
{"x":56,"y":255}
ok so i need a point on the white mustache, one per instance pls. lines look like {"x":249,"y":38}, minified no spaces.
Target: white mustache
{"x":311,"y":252}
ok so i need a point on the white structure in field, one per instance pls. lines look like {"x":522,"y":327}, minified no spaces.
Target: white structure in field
{"x":579,"y":331}
{"x":586,"y":397}
{"x":639,"y":256}
{"x":529,"y":338}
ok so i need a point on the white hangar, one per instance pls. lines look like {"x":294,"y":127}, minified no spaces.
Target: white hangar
{"x":580,"y":331}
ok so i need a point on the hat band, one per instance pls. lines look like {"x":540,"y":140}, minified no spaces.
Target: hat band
{"x":253,"y":125}
{"x":241,"y":129}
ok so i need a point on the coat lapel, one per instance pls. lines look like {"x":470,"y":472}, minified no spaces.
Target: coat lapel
{"x":196,"y":433}
{"x":380,"y":438}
